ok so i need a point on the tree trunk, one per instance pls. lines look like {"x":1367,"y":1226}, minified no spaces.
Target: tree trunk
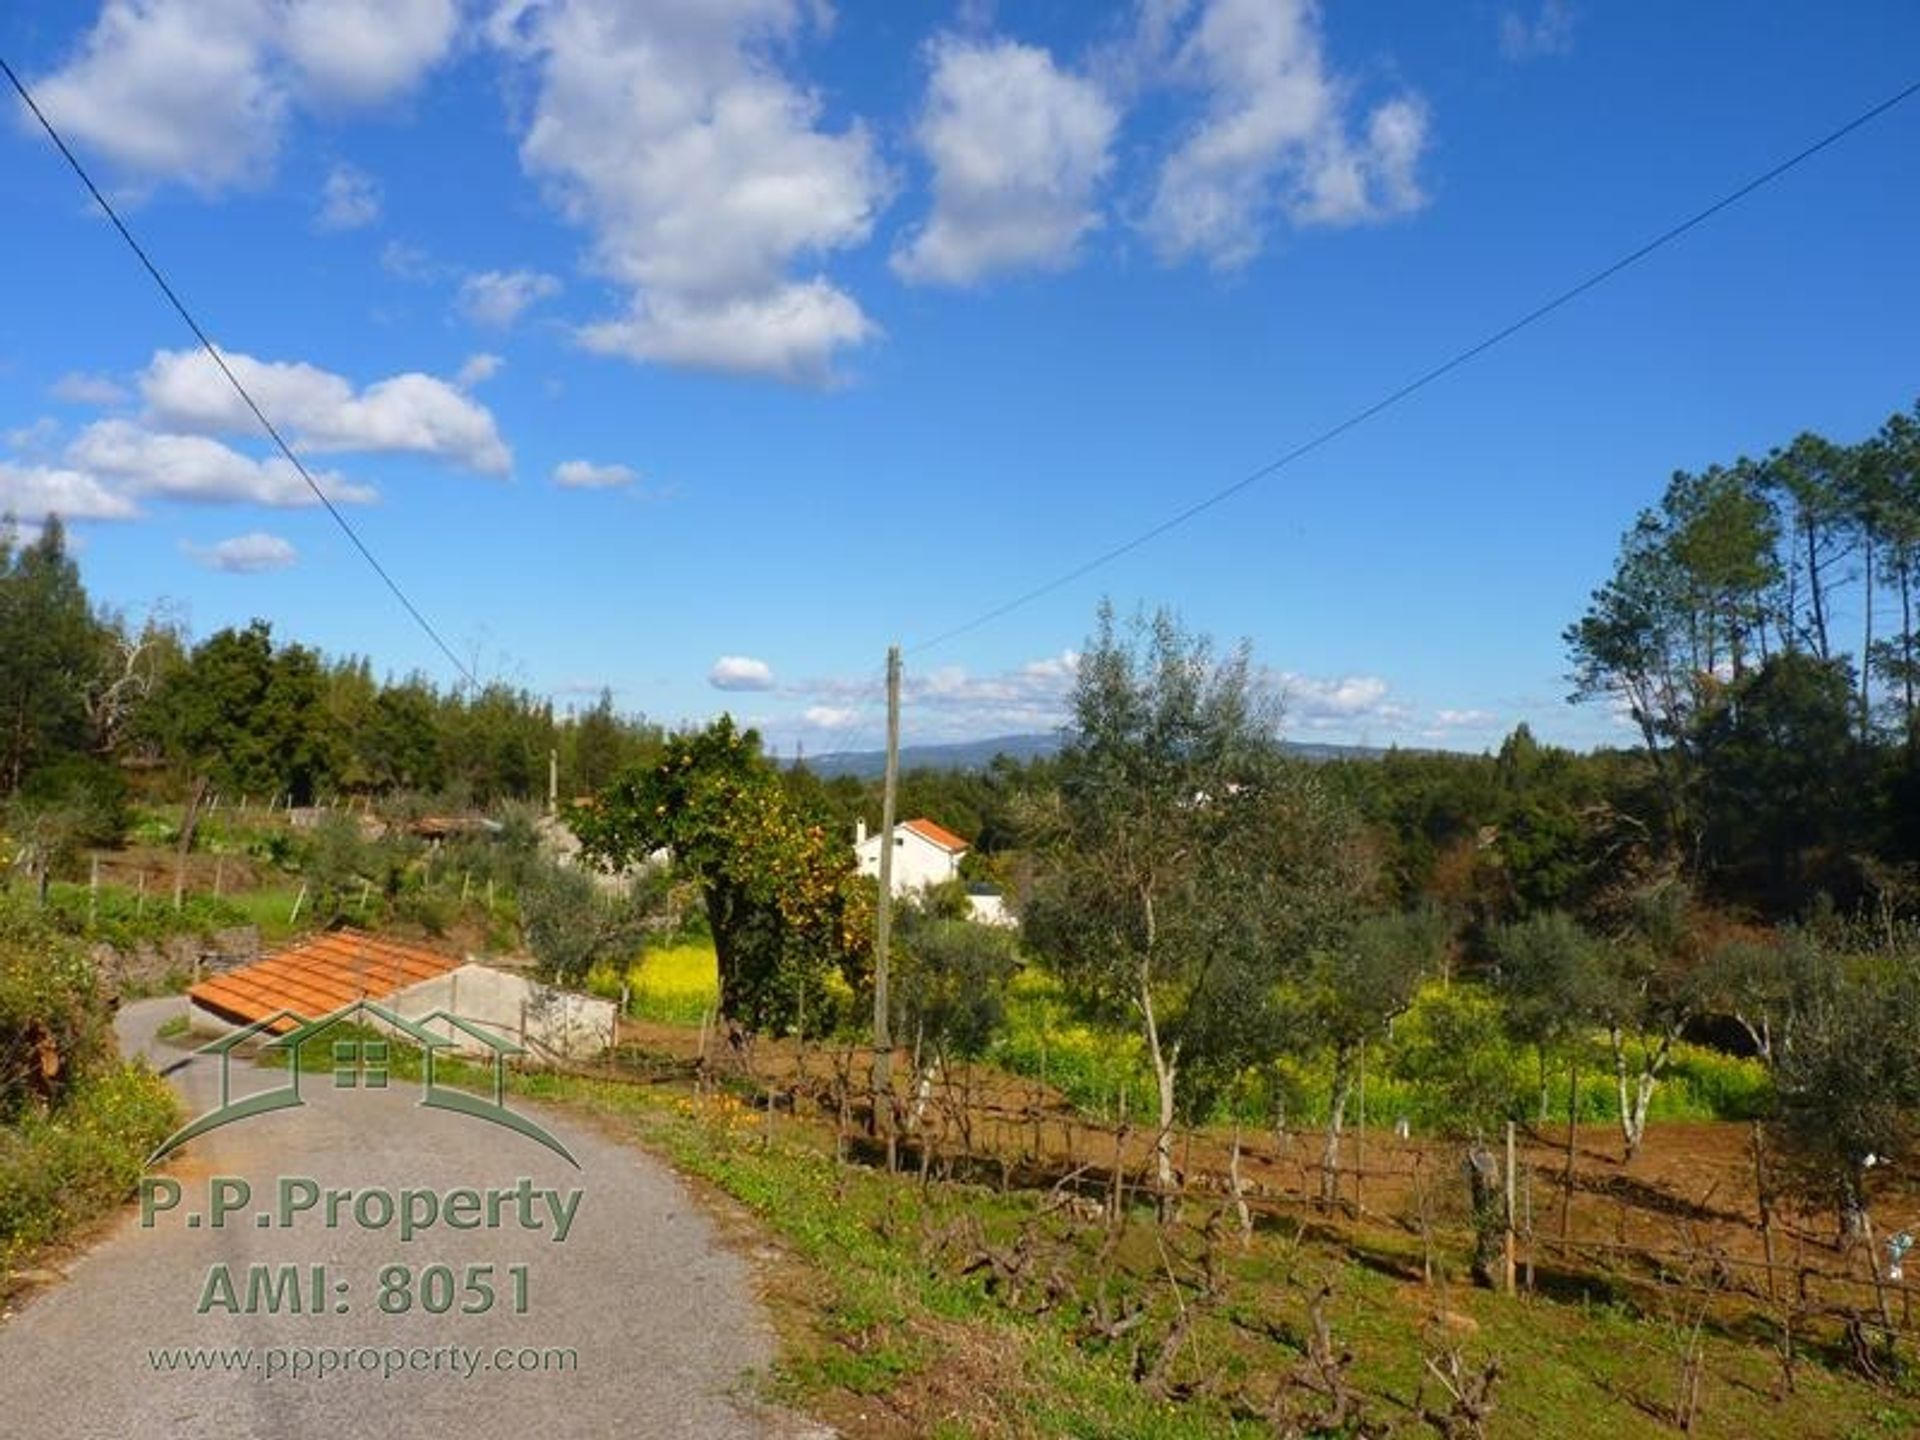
{"x":1906,"y":649}
{"x":1866,"y":651}
{"x":1813,"y":591}
{"x":720,"y":923}
{"x":1236,"y":1188}
{"x":1642,"y":1097}
{"x":1853,"y":1209}
{"x":1486,"y":1205}
{"x":1761,"y":1036}
{"x":1165,"y":1063}
{"x":1618,"y":1041}
{"x":18,"y":760}
{"x":1163,"y":1075}
{"x":1633,"y":1112}
{"x":1336,"y":1116}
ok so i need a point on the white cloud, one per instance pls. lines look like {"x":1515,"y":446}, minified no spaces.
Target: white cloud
{"x":34,"y":438}
{"x":478,"y":369}
{"x":1547,"y":31}
{"x":409,"y":413}
{"x":349,"y":199}
{"x":830,"y":717}
{"x":952,"y":703}
{"x":361,"y":52}
{"x":413,"y":263}
{"x":740,"y":672}
{"x":199,"y":90}
{"x":1463,"y":719}
{"x":1276,"y":139}
{"x":138,"y":461}
{"x":1346,"y":703}
{"x":1018,"y":148}
{"x":703,"y":175}
{"x":33,"y":492}
{"x":496,"y":298}
{"x":254,"y":553}
{"x":585,"y":475}
{"x":788,"y":332}
{"x":78,"y":389}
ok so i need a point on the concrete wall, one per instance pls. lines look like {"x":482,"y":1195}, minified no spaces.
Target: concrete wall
{"x":549,"y":1022}
{"x":514,"y":1007}
{"x":989,"y":910}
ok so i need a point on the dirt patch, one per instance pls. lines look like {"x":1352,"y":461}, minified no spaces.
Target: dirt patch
{"x":152,"y":869}
{"x":1685,"y":1209}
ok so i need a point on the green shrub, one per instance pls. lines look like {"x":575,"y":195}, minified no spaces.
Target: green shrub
{"x":77,"y":1124}
{"x":151,"y":827}
{"x":91,"y":793}
{"x":53,"y":1026}
{"x":433,"y":913}
{"x":121,"y":918}
{"x":63,"y":1167}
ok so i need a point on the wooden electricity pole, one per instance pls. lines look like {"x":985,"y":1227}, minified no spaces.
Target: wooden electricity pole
{"x":883,"y":915}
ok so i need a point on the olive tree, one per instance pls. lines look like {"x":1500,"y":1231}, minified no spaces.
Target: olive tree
{"x":1652,"y":983}
{"x":1185,"y":866}
{"x":1354,"y":987}
{"x":573,"y":924}
{"x":1554,"y":977}
{"x":1848,"y":1085}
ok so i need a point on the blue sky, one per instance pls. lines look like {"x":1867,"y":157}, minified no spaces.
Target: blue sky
{"x":701,"y":349}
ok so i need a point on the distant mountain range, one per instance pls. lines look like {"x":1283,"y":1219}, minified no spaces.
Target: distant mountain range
{"x":978,"y":754}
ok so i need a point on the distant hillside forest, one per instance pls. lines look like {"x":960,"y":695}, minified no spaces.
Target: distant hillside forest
{"x":1758,"y":633}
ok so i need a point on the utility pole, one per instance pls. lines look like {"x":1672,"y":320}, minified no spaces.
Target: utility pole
{"x":883,"y":915}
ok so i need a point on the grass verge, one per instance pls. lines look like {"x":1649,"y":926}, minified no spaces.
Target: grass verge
{"x":953,"y":1310}
{"x":61,"y":1169}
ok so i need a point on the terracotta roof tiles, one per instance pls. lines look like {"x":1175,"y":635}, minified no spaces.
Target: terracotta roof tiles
{"x":938,"y":834}
{"x":317,"y":976}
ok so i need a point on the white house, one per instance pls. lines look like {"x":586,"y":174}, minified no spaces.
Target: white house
{"x":924,"y":854}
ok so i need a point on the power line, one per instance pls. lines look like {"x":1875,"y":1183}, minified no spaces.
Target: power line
{"x":1446,"y":367}
{"x":234,"y":380}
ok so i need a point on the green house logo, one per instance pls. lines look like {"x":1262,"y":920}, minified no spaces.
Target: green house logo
{"x":361,"y":1063}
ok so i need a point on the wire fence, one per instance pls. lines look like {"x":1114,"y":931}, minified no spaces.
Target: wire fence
{"x":1555,"y":1215}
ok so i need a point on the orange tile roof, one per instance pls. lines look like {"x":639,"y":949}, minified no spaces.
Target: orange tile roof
{"x":938,"y":834}
{"x":318,"y":976}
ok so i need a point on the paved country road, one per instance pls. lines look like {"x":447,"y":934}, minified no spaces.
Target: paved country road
{"x":663,"y":1321}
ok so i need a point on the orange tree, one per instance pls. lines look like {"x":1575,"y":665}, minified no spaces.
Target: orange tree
{"x":784,"y":902}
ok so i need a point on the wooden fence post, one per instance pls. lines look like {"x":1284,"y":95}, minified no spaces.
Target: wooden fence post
{"x":1573,"y":1114}
{"x":1527,"y":1198}
{"x":1766,"y":1208}
{"x":1360,"y":1137}
{"x":1506,"y":1264}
